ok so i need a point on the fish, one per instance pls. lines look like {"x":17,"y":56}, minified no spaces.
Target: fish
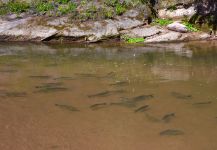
{"x":109,"y":75}
{"x":67,"y":107}
{"x":120,"y":83}
{"x":203,"y":103}
{"x":181,"y":96}
{"x":52,"y":89}
{"x":142,"y":109}
{"x":171,"y":132}
{"x":167,"y":118}
{"x":87,"y":75}
{"x":141,"y":98}
{"x":64,"y":78}
{"x":105,"y":93}
{"x":101,"y":94}
{"x":98,"y":106}
{"x":8,"y":71}
{"x":15,"y":94}
{"x":47,"y":85}
{"x":41,"y":77}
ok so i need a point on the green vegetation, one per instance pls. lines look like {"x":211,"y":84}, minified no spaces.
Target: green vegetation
{"x":163,"y":22}
{"x":65,"y":9}
{"x":44,"y":7}
{"x":190,"y":27}
{"x":14,"y":7}
{"x":83,"y":10}
{"x":62,"y":1}
{"x":120,"y":9}
{"x":132,"y":40}
{"x":172,"y":8}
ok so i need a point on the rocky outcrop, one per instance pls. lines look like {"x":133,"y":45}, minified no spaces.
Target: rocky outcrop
{"x":168,"y":3}
{"x":177,"y":13}
{"x":178,"y":27}
{"x":130,"y":25}
{"x":170,"y":36}
{"x":144,"y":31}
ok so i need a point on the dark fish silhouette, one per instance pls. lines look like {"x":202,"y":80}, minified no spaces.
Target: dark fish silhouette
{"x":141,"y":98}
{"x":14,"y":94}
{"x":67,"y":107}
{"x":64,"y":78}
{"x":105,"y":93}
{"x":52,"y":89}
{"x":168,"y":117}
{"x":120,"y":83}
{"x":203,"y":103}
{"x":142,"y":109}
{"x":98,"y":106}
{"x":48,"y":85}
{"x":101,"y":94}
{"x":171,"y":132}
{"x":41,"y":77}
{"x":8,"y":71}
{"x":181,"y":96}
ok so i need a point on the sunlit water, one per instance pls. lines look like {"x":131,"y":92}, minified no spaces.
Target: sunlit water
{"x":101,"y":97}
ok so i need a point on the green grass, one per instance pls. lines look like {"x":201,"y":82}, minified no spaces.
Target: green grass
{"x":65,"y":9}
{"x":14,"y":7}
{"x":62,"y":1}
{"x":44,"y":7}
{"x":190,"y":27}
{"x":163,"y":22}
{"x":120,"y":9}
{"x":132,"y":40}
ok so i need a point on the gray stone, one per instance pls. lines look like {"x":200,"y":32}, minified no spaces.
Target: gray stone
{"x":131,"y":13}
{"x":124,"y":23}
{"x":91,"y":31}
{"x":167,"y":37}
{"x":178,"y":27}
{"x":177,"y":14}
{"x":25,"y":32}
{"x":6,"y":25}
{"x":195,"y":36}
{"x":57,"y":22}
{"x":143,"y":31}
{"x":167,"y":3}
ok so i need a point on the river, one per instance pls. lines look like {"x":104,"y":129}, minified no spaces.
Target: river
{"x":108,"y":96}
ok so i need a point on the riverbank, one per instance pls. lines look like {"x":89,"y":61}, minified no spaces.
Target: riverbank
{"x":132,"y":25}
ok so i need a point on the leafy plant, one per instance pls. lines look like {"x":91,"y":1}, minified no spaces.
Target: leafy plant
{"x":190,"y":27}
{"x":120,"y":9}
{"x":108,"y":13}
{"x":64,"y":9}
{"x":172,"y":8}
{"x":62,"y":1}
{"x":44,"y":6}
{"x":163,"y":22}
{"x":132,"y":40}
{"x":17,"y":7}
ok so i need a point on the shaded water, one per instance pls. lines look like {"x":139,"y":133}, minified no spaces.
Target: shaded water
{"x":100,"y":97}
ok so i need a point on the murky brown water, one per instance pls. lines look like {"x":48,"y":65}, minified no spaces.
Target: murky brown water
{"x":66,"y":97}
